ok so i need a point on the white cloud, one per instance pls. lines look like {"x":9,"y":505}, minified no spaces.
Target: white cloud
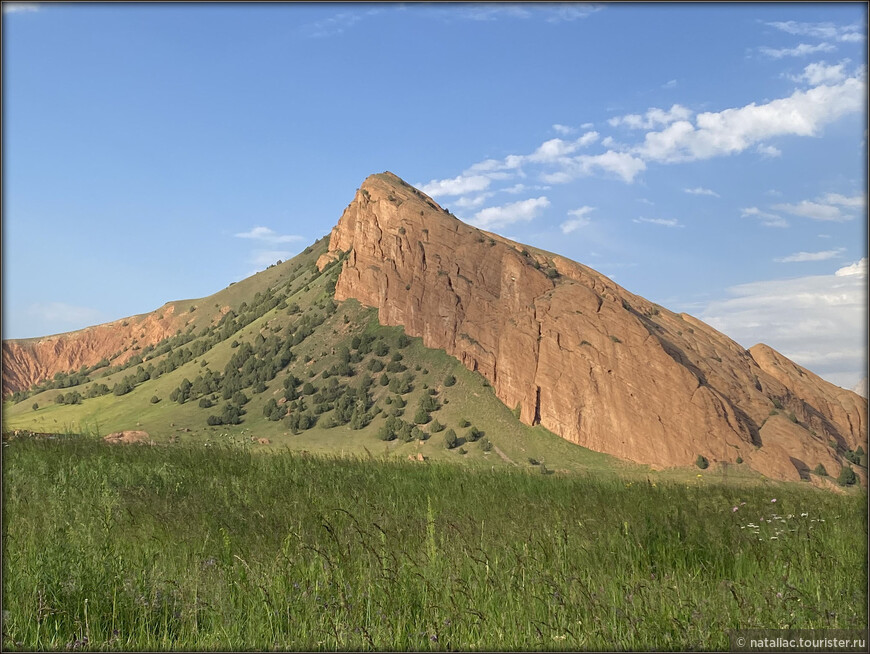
{"x":669,"y":84}
{"x":493,"y":12}
{"x":731,"y":131}
{"x":817,"y":321}
{"x":801,"y":50}
{"x":799,"y":257}
{"x":269,"y":235}
{"x":664,"y":222}
{"x":587,"y":125}
{"x":820,"y":30}
{"x":821,"y":73}
{"x":522,"y":211}
{"x":813,"y":210}
{"x":652,"y":118}
{"x":768,"y":151}
{"x":333,"y":25}
{"x":571,"y":12}
{"x":20,"y":7}
{"x":472,"y":202}
{"x":701,"y":191}
{"x":858,"y":269}
{"x":621,"y":164}
{"x":457,"y":186}
{"x":580,"y":219}
{"x":767,"y":219}
{"x":556,"y":149}
{"x":564,"y":130}
{"x":853,"y":202}
{"x":65,"y":316}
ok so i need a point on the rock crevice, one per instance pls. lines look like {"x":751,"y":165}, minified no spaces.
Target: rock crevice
{"x":559,"y":339}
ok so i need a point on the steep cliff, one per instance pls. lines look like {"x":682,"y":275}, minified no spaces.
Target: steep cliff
{"x":580,"y":355}
{"x":29,"y":361}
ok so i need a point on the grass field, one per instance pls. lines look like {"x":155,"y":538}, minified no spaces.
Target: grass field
{"x":195,"y":548}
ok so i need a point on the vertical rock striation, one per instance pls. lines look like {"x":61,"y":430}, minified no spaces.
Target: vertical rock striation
{"x":580,"y":355}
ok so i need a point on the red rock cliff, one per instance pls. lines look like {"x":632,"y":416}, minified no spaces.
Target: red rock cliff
{"x":29,"y":361}
{"x":580,"y":355}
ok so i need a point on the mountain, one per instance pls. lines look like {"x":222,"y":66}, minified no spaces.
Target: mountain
{"x":562,"y":346}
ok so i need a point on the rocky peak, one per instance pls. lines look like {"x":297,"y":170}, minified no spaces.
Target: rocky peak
{"x":580,"y":355}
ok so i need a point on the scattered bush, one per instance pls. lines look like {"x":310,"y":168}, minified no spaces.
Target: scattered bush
{"x":702,"y":462}
{"x":820,"y":471}
{"x":449,"y":380}
{"x":450,"y":440}
{"x":847,"y":476}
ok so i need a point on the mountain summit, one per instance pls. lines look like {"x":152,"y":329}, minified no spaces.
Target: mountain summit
{"x":560,"y":344}
{"x":580,"y":355}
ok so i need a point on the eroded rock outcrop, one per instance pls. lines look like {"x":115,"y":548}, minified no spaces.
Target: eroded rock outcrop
{"x":579,"y":354}
{"x":30,"y":361}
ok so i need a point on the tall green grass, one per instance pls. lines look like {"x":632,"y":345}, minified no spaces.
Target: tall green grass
{"x":142,"y":548}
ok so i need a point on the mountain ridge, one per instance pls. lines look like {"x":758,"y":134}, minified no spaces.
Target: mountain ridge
{"x":561,"y":344}
{"x":577,"y":353}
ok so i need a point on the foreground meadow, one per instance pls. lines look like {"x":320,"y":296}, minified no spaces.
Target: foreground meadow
{"x":138,"y":548}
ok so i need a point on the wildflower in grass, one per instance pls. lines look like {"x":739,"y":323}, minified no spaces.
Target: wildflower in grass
{"x":733,"y":509}
{"x":773,"y":501}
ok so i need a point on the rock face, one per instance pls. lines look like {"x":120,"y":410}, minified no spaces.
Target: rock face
{"x":29,"y":361}
{"x":579,"y":354}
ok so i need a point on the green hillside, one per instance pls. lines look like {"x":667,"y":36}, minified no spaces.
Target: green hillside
{"x":274,"y":357}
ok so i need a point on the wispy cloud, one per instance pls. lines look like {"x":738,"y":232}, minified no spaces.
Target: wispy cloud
{"x":522,"y":211}
{"x":848,"y":33}
{"x":670,"y":84}
{"x":730,"y":131}
{"x":768,"y":151}
{"x":269,"y":236}
{"x":821,"y":73}
{"x":852,"y":202}
{"x":701,"y":191}
{"x":556,"y":13}
{"x":333,"y":25}
{"x":20,"y":7}
{"x":801,"y":50}
{"x":564,"y":130}
{"x":664,"y":222}
{"x":622,"y":164}
{"x":814,"y":210}
{"x":767,"y":219}
{"x":652,"y":118}
{"x":800,"y":257}
{"x":459,"y":185}
{"x":580,"y":219}
{"x":817,"y":321}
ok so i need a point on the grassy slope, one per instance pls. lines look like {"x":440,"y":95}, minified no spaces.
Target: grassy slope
{"x":187,"y":548}
{"x":470,"y":398}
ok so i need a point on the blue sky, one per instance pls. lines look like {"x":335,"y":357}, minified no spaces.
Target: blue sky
{"x":711,"y":158}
